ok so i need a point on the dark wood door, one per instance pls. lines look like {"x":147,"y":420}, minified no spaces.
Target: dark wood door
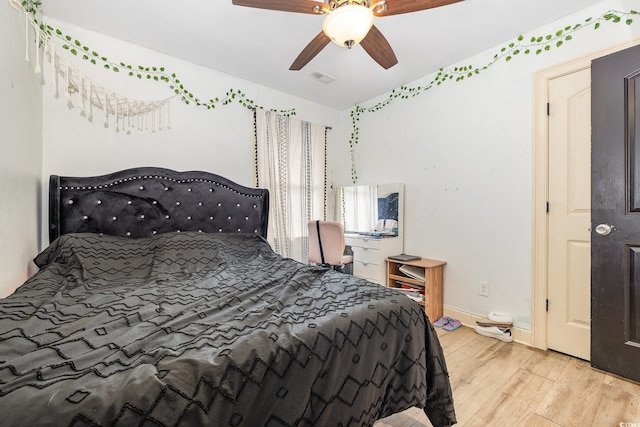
{"x":615,"y":204}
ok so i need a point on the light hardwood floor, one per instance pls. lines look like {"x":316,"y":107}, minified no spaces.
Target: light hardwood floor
{"x":507,"y":384}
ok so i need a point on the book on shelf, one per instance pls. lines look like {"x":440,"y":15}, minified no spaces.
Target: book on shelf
{"x":405,"y":285}
{"x":414,"y":294}
{"x":416,"y":273}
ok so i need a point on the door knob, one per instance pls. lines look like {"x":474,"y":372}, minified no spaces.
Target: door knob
{"x":603,"y":229}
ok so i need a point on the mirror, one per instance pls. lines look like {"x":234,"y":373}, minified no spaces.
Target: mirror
{"x":372,"y":210}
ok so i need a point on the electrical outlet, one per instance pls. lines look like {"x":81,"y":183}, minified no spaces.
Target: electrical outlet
{"x":483,"y":288}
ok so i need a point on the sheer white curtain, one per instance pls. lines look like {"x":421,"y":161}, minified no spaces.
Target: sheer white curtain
{"x":361,"y":201}
{"x":291,"y":163}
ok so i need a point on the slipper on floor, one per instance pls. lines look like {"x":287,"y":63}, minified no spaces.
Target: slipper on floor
{"x":441,"y":322}
{"x":453,"y":324}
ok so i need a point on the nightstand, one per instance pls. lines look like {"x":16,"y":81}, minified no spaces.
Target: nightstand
{"x":423,"y":275}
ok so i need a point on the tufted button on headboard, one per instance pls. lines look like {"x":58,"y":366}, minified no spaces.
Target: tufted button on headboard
{"x":145,"y":201}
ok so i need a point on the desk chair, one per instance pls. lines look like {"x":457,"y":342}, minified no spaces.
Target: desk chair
{"x":326,"y":244}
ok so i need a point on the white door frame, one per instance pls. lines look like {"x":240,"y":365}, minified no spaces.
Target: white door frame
{"x":541,"y":184}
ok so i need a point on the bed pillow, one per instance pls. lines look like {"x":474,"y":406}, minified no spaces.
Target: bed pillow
{"x":99,"y":255}
{"x":169,"y":253}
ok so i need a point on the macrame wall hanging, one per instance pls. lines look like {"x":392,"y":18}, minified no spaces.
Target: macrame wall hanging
{"x":118,"y":111}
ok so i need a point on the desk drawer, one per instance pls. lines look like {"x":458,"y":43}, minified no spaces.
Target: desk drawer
{"x":367,"y":271}
{"x":366,"y":255}
{"x":365,"y":243}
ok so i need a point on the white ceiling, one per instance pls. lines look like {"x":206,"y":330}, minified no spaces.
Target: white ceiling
{"x":259,"y":45}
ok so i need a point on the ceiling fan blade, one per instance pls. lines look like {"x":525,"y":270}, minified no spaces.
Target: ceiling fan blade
{"x":396,"y":7}
{"x":310,"y":51}
{"x":379,"y":48}
{"x":300,"y":6}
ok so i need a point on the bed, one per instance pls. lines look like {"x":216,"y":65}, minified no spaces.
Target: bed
{"x":159,"y":303}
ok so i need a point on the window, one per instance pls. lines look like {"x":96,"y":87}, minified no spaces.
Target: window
{"x":291,"y":164}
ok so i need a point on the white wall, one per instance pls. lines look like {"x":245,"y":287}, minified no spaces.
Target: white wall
{"x":20,"y":153}
{"x":464,"y":152}
{"x":218,"y":140}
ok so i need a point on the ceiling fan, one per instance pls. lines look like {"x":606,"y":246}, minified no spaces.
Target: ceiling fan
{"x":347,"y":23}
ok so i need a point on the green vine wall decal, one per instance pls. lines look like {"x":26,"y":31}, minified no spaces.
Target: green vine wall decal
{"x":155,"y":73}
{"x":521,"y":46}
{"x":535,"y":45}
{"x":31,"y":6}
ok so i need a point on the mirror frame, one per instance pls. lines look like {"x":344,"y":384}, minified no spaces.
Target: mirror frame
{"x":381,"y":190}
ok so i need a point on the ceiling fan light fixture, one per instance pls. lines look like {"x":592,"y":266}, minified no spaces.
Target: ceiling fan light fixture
{"x":347,"y":25}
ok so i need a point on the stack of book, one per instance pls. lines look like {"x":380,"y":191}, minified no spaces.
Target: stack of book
{"x":415,"y":292}
{"x":415,"y":273}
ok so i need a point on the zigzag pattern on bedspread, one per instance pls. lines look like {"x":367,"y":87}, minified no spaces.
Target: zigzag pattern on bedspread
{"x":198,"y":329}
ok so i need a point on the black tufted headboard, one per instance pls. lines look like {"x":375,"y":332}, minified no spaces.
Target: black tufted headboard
{"x":144,"y":201}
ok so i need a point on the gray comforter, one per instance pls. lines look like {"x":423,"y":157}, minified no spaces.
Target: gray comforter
{"x":209,"y":329}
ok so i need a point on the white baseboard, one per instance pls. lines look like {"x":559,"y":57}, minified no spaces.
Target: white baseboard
{"x":521,"y":336}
